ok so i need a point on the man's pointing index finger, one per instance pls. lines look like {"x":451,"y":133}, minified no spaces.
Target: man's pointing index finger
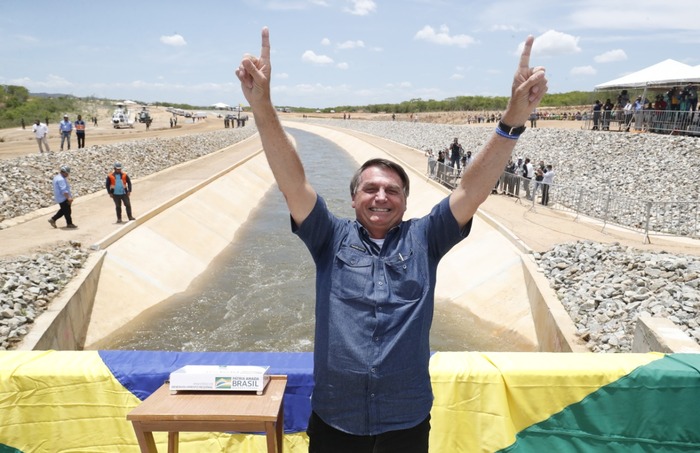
{"x":265,"y":50}
{"x":525,"y":56}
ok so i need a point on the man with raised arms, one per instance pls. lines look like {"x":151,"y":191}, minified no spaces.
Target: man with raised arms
{"x":375,"y":275}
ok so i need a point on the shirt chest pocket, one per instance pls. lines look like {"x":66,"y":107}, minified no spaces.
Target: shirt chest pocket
{"x":405,"y":280}
{"x":352,"y":275}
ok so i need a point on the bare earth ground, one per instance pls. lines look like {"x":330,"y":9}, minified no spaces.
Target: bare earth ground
{"x":539,"y":228}
{"x":16,"y":142}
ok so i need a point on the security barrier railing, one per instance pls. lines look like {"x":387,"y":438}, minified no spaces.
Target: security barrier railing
{"x":658,"y":121}
{"x":673,"y":218}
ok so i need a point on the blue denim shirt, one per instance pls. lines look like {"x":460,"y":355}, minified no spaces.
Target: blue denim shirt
{"x":374,"y":309}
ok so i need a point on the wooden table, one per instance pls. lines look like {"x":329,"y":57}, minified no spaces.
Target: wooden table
{"x":214,"y":411}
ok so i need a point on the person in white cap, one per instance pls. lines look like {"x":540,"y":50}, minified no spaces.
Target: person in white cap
{"x":64,"y":197}
{"x":118,"y":187}
{"x":66,"y":128}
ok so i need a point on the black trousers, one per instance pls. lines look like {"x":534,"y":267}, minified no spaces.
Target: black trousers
{"x":323,"y":438}
{"x":64,"y":211}
{"x":545,"y":194}
{"x":118,"y":200}
{"x":81,"y":139}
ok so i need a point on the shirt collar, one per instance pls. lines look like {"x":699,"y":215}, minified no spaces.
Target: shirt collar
{"x":371,"y":245}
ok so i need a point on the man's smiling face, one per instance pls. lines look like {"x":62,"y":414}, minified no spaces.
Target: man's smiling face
{"x":379,"y":201}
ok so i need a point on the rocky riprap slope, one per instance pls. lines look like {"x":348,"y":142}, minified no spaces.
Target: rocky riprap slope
{"x":605,"y":288}
{"x":29,"y":283}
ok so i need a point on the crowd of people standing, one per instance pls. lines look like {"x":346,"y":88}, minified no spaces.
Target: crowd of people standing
{"x":533,"y":178}
{"x":670,"y":111}
{"x":520,"y":175}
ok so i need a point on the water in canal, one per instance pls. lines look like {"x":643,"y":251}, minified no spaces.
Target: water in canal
{"x":258,"y":295}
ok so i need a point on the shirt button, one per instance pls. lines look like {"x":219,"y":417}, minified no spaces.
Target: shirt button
{"x":381,"y":283}
{"x":376,"y":338}
{"x":373,"y":370}
{"x":371,"y":395}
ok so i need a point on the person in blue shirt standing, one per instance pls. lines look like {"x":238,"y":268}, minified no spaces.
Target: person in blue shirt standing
{"x":118,"y":185}
{"x":65,"y":127}
{"x":375,"y":275}
{"x":64,"y":197}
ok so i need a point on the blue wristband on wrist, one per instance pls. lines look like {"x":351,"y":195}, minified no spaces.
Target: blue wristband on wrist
{"x":506,"y":135}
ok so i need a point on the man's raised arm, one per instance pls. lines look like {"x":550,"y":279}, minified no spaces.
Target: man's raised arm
{"x":529,"y":86}
{"x":254,"y":74}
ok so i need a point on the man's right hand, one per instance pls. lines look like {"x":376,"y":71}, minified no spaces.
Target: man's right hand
{"x":254,"y":73}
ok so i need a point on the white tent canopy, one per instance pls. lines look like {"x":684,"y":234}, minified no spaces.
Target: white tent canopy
{"x":220,"y":105}
{"x":664,"y":74}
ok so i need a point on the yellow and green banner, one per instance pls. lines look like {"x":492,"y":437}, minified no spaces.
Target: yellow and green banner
{"x":54,"y":401}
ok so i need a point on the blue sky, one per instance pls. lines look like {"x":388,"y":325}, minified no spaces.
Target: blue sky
{"x":327,"y":53}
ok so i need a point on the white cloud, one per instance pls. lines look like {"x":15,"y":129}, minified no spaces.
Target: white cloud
{"x":310,"y":57}
{"x":289,"y":5}
{"x":325,"y":42}
{"x":317,"y":88}
{"x":351,"y":44}
{"x":361,"y":7}
{"x":173,"y":40}
{"x":52,"y":82}
{"x":399,"y":85}
{"x":456,"y":77}
{"x":28,"y":38}
{"x":443,"y":37}
{"x":611,"y":56}
{"x":553,"y":43}
{"x":282,"y":75}
{"x":583,"y":70}
{"x":342,"y":65}
{"x":503,"y":27}
{"x":635,"y":15}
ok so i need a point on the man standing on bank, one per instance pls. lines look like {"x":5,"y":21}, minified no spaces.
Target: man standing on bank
{"x":375,"y":276}
{"x":65,"y":128}
{"x":64,"y":197}
{"x":118,"y":185}
{"x":80,"y":131}
{"x":41,"y":132}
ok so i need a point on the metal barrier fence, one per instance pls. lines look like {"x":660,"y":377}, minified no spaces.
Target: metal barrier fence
{"x":443,"y":173}
{"x":673,"y":218}
{"x":658,"y":121}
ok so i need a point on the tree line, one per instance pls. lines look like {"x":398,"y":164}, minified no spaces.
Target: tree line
{"x":17,"y":104}
{"x":471,"y":103}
